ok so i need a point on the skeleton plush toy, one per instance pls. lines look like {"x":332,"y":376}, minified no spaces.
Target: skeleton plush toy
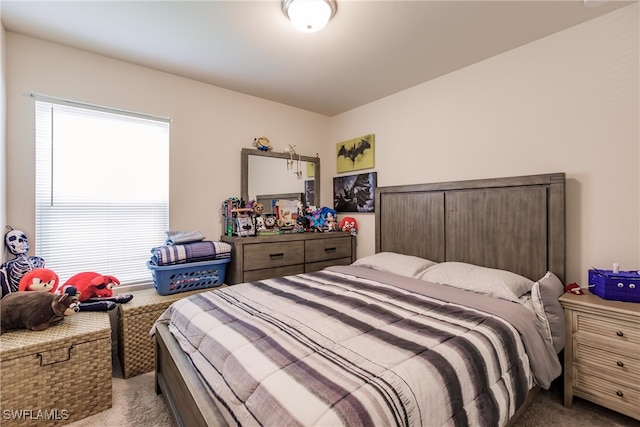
{"x":16,"y":243}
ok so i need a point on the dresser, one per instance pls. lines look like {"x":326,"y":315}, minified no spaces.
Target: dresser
{"x":602,"y":352}
{"x":263,"y":257}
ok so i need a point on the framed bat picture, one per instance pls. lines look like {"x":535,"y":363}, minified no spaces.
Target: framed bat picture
{"x":356,"y":154}
{"x":355,"y":193}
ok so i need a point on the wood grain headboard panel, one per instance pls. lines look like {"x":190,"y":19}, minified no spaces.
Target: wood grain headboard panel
{"x":515,"y":224}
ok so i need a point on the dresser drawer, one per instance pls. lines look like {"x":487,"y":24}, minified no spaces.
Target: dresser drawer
{"x":317,"y":266}
{"x":327,"y":249}
{"x":270,"y":255}
{"x":619,"y":366}
{"x":606,"y":327}
{"x":621,"y":398}
{"x":267,"y":273}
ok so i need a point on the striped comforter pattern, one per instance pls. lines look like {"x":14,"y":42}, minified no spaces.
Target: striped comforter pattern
{"x":329,"y":348}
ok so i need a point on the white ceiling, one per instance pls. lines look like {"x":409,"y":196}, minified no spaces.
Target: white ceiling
{"x":369,"y":50}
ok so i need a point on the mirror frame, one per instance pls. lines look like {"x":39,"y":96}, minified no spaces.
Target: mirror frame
{"x":244,"y":170}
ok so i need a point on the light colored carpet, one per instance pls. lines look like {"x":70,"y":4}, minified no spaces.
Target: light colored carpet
{"x":135,"y":404}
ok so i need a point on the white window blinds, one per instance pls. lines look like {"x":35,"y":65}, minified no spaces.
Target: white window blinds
{"x":102,"y":190}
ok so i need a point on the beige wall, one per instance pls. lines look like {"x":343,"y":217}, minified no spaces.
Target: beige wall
{"x":209,"y":126}
{"x":565,"y":103}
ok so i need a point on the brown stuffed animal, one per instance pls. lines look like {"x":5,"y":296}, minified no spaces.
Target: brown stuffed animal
{"x":35,"y":310}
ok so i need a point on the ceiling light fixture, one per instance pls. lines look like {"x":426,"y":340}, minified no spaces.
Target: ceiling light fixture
{"x":309,"y":15}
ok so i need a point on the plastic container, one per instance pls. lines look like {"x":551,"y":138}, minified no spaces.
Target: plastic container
{"x":171,"y":279}
{"x":617,"y":286}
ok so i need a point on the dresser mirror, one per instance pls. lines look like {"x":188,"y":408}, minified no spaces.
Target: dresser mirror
{"x":269,"y":173}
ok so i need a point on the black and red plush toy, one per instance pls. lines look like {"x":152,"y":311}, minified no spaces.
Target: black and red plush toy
{"x":96,"y":291}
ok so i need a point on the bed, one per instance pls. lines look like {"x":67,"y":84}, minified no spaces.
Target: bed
{"x":388,"y":340}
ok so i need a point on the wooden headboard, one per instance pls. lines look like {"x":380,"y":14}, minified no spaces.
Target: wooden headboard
{"x":515,"y":224}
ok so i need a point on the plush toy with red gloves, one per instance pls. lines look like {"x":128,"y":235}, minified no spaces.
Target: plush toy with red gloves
{"x":96,"y":291}
{"x":93,"y":285}
{"x":39,"y":280}
{"x":349,"y":224}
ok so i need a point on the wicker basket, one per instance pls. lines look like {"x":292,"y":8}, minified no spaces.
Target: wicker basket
{"x":135,"y":345}
{"x":59,"y":375}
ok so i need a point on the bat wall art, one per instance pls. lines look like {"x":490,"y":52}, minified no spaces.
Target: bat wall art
{"x":355,"y":154}
{"x":355,"y":193}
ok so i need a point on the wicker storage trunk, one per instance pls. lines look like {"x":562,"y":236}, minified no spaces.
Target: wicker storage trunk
{"x":56,"y":376}
{"x":135,"y":345}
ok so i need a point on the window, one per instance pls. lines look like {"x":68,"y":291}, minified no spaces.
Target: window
{"x":102,"y":189}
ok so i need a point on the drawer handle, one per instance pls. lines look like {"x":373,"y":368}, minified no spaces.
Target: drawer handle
{"x":620,"y":333}
{"x":278,"y":255}
{"x":333,"y":249}
{"x":619,"y":363}
{"x":619,"y":393}
{"x":52,"y":360}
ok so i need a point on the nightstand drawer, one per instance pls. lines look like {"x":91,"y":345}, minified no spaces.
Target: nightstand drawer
{"x":621,"y":398}
{"x":270,"y":255}
{"x":326,"y":249}
{"x":625,"y":367}
{"x":604,"y":327}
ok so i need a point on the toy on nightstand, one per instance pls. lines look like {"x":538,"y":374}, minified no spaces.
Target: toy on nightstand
{"x":36,"y":310}
{"x":574,"y":288}
{"x":616,"y":285}
{"x":39,"y":280}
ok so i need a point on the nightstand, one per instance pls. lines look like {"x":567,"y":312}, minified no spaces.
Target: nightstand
{"x":602,"y":352}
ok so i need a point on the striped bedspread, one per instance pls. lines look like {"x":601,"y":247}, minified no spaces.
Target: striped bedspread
{"x":190,"y":252}
{"x":347,"y":346}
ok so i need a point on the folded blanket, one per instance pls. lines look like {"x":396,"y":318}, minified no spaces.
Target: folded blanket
{"x":177,"y":237}
{"x":190,"y":252}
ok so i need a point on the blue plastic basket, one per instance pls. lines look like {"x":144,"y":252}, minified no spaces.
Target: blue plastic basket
{"x":171,"y":279}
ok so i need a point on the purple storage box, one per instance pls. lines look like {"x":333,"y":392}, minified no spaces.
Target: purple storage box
{"x":621,"y":286}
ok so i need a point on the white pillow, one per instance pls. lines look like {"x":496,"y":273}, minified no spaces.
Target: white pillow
{"x":490,"y":281}
{"x":391,"y":262}
{"x":544,"y":297}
